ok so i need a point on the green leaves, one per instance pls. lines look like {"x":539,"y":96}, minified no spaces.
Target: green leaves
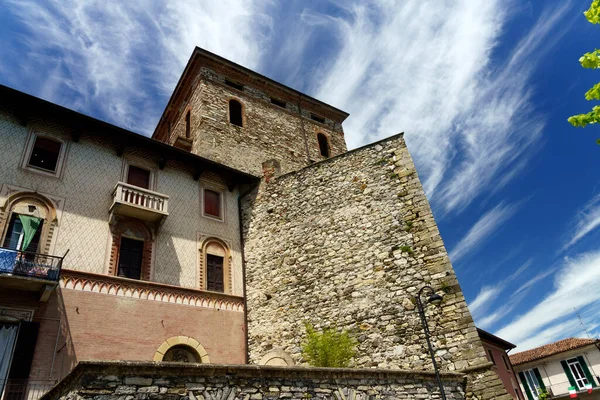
{"x":593,"y":93}
{"x":582,"y":120}
{"x":329,"y":348}
{"x":590,"y":60}
{"x":593,"y":13}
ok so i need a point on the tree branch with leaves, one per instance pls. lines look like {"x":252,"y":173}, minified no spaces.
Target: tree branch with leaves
{"x":590,"y":61}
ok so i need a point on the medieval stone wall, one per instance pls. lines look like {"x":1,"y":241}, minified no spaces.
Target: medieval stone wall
{"x":349,"y":242}
{"x":269,"y":131}
{"x":108,"y":381}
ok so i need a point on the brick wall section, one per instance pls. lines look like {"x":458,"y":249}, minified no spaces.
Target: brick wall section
{"x":350,"y":241}
{"x":269,"y":131}
{"x":110,"y":381}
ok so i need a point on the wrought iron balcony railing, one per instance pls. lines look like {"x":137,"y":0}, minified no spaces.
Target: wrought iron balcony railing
{"x":23,"y":389}
{"x":34,"y":265}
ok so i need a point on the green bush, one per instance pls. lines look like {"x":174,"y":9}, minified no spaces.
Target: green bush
{"x":329,"y":348}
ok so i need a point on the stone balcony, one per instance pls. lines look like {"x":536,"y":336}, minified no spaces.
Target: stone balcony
{"x":136,"y":202}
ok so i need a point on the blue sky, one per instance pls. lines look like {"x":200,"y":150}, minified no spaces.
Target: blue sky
{"x":482,"y":91}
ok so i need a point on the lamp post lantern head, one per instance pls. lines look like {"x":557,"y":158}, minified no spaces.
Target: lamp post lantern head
{"x":435,"y":299}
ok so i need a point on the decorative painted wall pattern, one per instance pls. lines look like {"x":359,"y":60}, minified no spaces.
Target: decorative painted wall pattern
{"x":76,"y":280}
{"x":83,"y":196}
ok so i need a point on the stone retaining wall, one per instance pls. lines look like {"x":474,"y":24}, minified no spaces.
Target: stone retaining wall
{"x":172,"y":381}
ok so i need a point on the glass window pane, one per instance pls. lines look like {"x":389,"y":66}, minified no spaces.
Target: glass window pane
{"x":45,"y":154}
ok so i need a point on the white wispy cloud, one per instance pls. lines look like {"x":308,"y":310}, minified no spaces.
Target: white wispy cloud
{"x":482,"y":230}
{"x":575,"y":287}
{"x":588,"y":220}
{"x":487,"y":296}
{"x":119,"y":60}
{"x":427,"y":69}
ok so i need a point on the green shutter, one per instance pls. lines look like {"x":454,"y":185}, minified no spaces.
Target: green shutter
{"x":525,"y":385}
{"x":586,"y":371}
{"x":568,"y":372}
{"x":539,"y":379}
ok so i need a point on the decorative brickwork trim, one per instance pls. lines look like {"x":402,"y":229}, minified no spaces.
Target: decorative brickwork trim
{"x":227,"y":269}
{"x":123,"y":287}
{"x":187,"y":341}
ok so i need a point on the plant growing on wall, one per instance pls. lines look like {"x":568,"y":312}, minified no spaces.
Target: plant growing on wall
{"x":329,"y":348}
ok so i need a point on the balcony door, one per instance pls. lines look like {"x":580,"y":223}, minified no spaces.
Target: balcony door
{"x":23,"y":233}
{"x":130,"y":258}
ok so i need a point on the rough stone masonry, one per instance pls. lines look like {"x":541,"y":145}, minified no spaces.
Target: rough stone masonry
{"x":173,"y":381}
{"x":348,"y":242}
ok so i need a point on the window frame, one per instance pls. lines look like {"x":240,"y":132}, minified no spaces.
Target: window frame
{"x":127,"y":162}
{"x":327,"y":143}
{"x":571,"y":363}
{"x":204,"y":243}
{"x":491,"y":356}
{"x":531,"y":378}
{"x":29,"y":146}
{"x":242,"y":112}
{"x":206,"y":185}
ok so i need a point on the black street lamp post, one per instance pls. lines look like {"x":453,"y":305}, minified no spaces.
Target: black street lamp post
{"x":435,"y":299}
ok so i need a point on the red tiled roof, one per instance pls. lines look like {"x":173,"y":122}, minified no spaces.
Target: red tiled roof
{"x":550,"y":349}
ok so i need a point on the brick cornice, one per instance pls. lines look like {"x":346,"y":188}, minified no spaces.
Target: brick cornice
{"x":151,"y":291}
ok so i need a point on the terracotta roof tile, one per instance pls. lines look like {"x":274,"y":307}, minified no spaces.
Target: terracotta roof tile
{"x":550,"y":349}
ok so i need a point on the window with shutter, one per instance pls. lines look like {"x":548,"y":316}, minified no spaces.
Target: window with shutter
{"x":578,"y":373}
{"x":214,"y":273}
{"x":139,"y":177}
{"x":130,"y":258}
{"x":212,"y":203}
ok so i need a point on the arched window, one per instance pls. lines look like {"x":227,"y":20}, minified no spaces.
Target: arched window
{"x":235,"y":112}
{"x":183,"y":354}
{"x":28,"y":223}
{"x":131,"y":255}
{"x":323,"y":144}
{"x":216,"y":264}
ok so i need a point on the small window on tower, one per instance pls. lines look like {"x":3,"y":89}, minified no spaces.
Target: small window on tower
{"x":188,"y":124}
{"x":317,"y":118}
{"x":45,"y":154}
{"x":323,"y":145}
{"x":234,"y":85}
{"x":235,"y":113}
{"x":278,"y":103}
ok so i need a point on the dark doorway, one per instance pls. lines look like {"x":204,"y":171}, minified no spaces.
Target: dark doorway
{"x":214,"y":273}
{"x":130,"y":258}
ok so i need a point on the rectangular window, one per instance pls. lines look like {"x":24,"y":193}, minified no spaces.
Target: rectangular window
{"x":577,"y":372}
{"x":139,"y":177}
{"x":214,"y":273}
{"x":45,"y":154}
{"x":188,"y":124}
{"x":533,"y":383}
{"x":234,"y":85}
{"x":278,"y":103}
{"x":505,"y":362}
{"x":130,"y":258}
{"x":317,"y":118}
{"x":491,"y":357}
{"x":212,"y":203}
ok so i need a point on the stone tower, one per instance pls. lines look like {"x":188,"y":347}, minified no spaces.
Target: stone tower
{"x":237,"y":117}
